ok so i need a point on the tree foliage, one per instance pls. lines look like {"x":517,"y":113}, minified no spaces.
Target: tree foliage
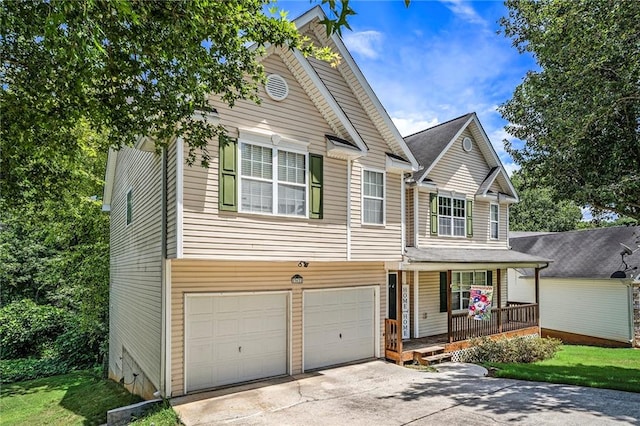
{"x":538,"y":210}
{"x":579,"y":115}
{"x":128,"y":68}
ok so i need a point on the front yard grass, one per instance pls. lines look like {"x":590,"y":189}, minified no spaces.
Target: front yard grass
{"x":78,"y":398}
{"x":581,"y":365}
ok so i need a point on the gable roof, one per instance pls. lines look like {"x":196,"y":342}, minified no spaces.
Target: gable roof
{"x":592,"y":253}
{"x":364,"y":93}
{"x":430,"y":145}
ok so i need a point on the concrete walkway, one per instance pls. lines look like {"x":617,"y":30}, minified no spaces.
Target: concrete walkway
{"x":380,"y":393}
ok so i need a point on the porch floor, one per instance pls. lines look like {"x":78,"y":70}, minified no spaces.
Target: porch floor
{"x":423,"y":342}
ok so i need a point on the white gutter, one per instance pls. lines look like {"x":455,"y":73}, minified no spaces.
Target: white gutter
{"x":403,"y":215}
{"x":348,"y":209}
{"x":179,"y":196}
{"x":416,"y":221}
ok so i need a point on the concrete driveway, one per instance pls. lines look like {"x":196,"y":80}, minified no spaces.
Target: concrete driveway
{"x":380,"y":393}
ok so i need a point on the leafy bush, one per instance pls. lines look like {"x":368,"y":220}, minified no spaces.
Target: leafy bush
{"x":18,"y":370}
{"x":77,"y":348}
{"x":517,"y":350}
{"x":28,"y":329}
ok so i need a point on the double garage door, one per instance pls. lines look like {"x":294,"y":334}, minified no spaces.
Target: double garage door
{"x":241,"y":337}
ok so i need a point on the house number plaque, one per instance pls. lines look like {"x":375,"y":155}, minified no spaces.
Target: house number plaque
{"x":405,"y":312}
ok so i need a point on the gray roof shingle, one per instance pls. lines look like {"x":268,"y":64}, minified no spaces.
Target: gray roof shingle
{"x":459,"y":255}
{"x":592,"y":253}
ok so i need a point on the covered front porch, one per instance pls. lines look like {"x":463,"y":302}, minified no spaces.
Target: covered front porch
{"x":428,"y":303}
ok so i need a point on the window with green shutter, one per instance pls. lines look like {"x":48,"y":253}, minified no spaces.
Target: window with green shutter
{"x":433,"y":205}
{"x":469,"y":218}
{"x":443,"y":292}
{"x":228,"y":176}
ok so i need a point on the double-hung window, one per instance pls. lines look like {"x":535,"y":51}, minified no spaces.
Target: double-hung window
{"x":273,"y":181}
{"x":494,"y":220}
{"x":372,"y":197}
{"x":451,"y":216}
{"x":461,"y":283}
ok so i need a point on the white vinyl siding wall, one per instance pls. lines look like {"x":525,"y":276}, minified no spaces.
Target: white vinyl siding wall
{"x":135,"y":274}
{"x":198,"y":276}
{"x":591,"y":307}
{"x":171,"y":201}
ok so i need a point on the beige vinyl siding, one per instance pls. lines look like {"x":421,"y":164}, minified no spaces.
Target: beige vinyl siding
{"x":429,"y":304}
{"x":171,"y":201}
{"x":591,"y":307}
{"x":189,"y":276}
{"x":504,"y":286}
{"x":135,"y":274}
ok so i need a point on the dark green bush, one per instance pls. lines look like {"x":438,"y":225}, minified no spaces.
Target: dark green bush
{"x":18,"y":370}
{"x":517,"y":350}
{"x":28,"y":329}
{"x":77,"y":348}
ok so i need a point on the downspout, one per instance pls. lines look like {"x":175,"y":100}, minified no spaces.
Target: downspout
{"x":537,"y":284}
{"x":403,"y":214}
{"x":163,"y":275}
{"x":349,"y":209}
{"x":629,"y":286}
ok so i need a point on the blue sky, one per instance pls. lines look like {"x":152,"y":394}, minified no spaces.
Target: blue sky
{"x":434,"y":61}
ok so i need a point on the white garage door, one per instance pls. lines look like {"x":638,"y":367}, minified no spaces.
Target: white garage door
{"x":339,"y":326}
{"x":234,"y":338}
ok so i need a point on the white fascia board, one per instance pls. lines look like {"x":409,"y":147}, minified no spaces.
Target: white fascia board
{"x":109,"y":177}
{"x":346,"y":55}
{"x":342,"y":151}
{"x":498,"y":198}
{"x":330,"y":100}
{"x":427,"y":186}
{"x":397,"y":166}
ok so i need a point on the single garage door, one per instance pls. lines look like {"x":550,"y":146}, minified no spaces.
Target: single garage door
{"x":234,"y":338}
{"x":339,"y":326}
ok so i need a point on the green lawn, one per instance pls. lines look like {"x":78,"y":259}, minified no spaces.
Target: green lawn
{"x":582,"y":365}
{"x":79,"y":398}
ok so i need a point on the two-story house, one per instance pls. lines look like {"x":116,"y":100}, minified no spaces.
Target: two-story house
{"x":281,"y":256}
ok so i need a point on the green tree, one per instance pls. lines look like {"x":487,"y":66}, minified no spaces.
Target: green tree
{"x":129,"y":68}
{"x":539,"y":210}
{"x":578,"y":114}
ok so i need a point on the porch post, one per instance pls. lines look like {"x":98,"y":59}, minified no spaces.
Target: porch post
{"x":537,"y":281}
{"x":399,"y":311}
{"x":449,"y":319}
{"x":498,"y":279}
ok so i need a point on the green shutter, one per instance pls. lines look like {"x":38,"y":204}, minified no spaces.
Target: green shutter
{"x":228,"y":178}
{"x":315,"y":186}
{"x":469,"y":218}
{"x":443,"y":292}
{"x":434,"y":213}
{"x":489,"y":277}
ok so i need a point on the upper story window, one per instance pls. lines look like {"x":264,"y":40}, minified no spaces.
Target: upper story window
{"x":461,"y":282}
{"x":494,"y":221}
{"x":129,"y":206}
{"x":372,"y":197}
{"x":273,"y":181}
{"x":451,"y":216}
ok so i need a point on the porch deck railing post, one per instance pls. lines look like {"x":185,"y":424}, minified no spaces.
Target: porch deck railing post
{"x":399,"y":310}
{"x":449,"y":317}
{"x":498,"y":279}
{"x":537,"y":284}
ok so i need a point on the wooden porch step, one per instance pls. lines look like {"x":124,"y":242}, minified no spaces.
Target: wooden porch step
{"x":437,"y":358}
{"x":429,"y":350}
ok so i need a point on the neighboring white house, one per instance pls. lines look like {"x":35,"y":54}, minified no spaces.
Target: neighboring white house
{"x":579,"y":301}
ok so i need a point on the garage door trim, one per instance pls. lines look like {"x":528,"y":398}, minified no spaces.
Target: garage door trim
{"x":289,"y":331}
{"x":376,"y":314}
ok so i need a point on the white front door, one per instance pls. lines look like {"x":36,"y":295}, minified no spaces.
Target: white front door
{"x":234,"y":338}
{"x":339,"y":326}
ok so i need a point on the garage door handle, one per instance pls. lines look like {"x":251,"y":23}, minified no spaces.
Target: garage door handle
{"x":239,"y":348}
{"x":341,"y":335}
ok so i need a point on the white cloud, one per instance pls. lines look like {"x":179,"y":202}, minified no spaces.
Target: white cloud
{"x":510,"y":168}
{"x":464,"y":11}
{"x":364,"y":43}
{"x":413,"y":123}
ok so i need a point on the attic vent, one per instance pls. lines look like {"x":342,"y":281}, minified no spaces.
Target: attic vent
{"x":276,"y":87}
{"x":467,"y":144}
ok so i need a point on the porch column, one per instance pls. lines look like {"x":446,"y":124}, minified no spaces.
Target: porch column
{"x":537,"y":282}
{"x":399,"y":311}
{"x":498,"y":282}
{"x":449,"y":319}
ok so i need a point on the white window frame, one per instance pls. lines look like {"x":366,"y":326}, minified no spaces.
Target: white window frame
{"x":274,"y":178}
{"x":463,"y":289}
{"x":452,"y":218}
{"x":383,"y":199}
{"x":496,"y":221}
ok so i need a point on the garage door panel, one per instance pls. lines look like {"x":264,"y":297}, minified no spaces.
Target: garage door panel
{"x":244,"y":338}
{"x":338,"y":326}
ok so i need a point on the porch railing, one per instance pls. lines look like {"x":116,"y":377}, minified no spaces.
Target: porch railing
{"x":392,"y":340}
{"x":502,"y":319}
